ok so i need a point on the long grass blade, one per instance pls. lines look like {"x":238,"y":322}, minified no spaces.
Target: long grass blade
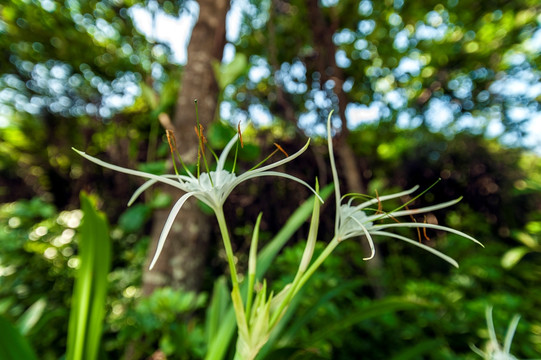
{"x":13,"y":346}
{"x":88,"y":300}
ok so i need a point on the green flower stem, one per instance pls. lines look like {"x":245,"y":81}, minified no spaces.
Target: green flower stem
{"x":227,"y":245}
{"x":236,"y":297}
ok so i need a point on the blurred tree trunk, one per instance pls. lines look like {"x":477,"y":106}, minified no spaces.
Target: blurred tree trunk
{"x":182,"y":261}
{"x":325,"y":63}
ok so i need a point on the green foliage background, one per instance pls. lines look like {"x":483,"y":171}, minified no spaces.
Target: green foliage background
{"x":63,"y":61}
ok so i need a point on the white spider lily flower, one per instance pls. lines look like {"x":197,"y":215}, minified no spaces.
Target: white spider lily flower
{"x":494,"y":350}
{"x":352,"y":221}
{"x":212,"y":193}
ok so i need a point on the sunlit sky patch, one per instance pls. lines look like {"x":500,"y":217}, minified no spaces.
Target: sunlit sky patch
{"x":358,"y":114}
{"x":174,"y":31}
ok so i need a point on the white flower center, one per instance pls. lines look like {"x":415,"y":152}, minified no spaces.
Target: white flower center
{"x":220,"y":180}
{"x":500,"y":355}
{"x":351,"y":219}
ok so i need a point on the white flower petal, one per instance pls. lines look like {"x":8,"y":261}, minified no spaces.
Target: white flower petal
{"x":183,"y":180}
{"x":510,"y":333}
{"x":449,"y":259}
{"x":167,"y":227}
{"x":160,"y":178}
{"x":251,"y":174}
{"x":491,"y":330}
{"x":430,"y":226}
{"x":141,"y":189}
{"x":384,"y":197}
{"x":368,"y":238}
{"x":426,"y":209}
{"x":335,"y":178}
{"x":478,"y":351}
{"x":225,"y":152}
{"x":283,"y":161}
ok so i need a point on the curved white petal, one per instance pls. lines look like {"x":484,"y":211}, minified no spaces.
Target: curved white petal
{"x":429,"y":226}
{"x":368,"y":237}
{"x":141,"y":189}
{"x":384,"y":197}
{"x":151,"y":182}
{"x":510,"y":333}
{"x":491,"y":330}
{"x":160,"y":178}
{"x":478,"y":351}
{"x":167,"y":227}
{"x":283,"y":161}
{"x":414,"y":211}
{"x":251,"y":174}
{"x":349,"y":234}
{"x":449,"y":259}
{"x":181,"y":178}
{"x":225,"y":152}
{"x":335,"y":179}
{"x":207,"y":198}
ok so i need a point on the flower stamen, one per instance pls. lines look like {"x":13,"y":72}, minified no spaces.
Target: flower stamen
{"x":172,"y":146}
{"x":237,"y":147}
{"x":198,"y":151}
{"x":278,"y":148}
{"x":424,"y":231}
{"x":415,"y":221}
{"x":379,"y":210}
{"x":171,"y":140}
{"x":240,"y":136}
{"x":281,"y":149}
{"x":174,"y":150}
{"x":201,"y":148}
{"x":380,"y":206}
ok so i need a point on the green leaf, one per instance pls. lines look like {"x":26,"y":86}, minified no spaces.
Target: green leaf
{"x":534,"y":227}
{"x":419,"y":349}
{"x":134,"y":218}
{"x":155,"y":167}
{"x":513,"y":256}
{"x":160,"y":200}
{"x":88,"y":301}
{"x":295,"y":353}
{"x":377,"y":308}
{"x":269,"y":252}
{"x":217,"y":309}
{"x":13,"y":346}
{"x":249,"y":153}
{"x":300,"y":321}
{"x":31,"y":316}
{"x":228,"y":73}
{"x":219,"y":134}
{"x":526,"y":239}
